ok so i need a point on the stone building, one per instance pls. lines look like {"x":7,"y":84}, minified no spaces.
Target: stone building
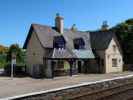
{"x":59,"y":51}
{"x":107,"y":50}
{"x":55,"y":51}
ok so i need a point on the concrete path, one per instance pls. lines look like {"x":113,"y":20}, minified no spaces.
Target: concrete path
{"x":19,"y":86}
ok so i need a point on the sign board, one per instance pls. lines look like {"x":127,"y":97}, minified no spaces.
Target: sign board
{"x":13,"y":61}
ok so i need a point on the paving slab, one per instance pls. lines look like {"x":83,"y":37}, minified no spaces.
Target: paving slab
{"x":19,"y":86}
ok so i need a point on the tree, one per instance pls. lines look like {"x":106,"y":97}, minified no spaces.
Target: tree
{"x":124,"y":32}
{"x":16,"y":49}
{"x":3,"y":49}
{"x":20,"y":59}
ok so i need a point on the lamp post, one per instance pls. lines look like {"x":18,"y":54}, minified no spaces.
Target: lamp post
{"x":13,"y":62}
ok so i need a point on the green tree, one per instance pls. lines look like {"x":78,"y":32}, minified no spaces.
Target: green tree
{"x":3,"y":49}
{"x":19,"y":53}
{"x":124,"y":32}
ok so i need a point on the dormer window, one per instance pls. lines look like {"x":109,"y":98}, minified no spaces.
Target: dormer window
{"x":79,"y":43}
{"x":59,"y":42}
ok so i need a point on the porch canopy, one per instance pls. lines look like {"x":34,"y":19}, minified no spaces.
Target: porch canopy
{"x":84,"y":54}
{"x":71,"y":54}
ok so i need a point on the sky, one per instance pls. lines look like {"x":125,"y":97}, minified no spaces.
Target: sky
{"x":16,"y":16}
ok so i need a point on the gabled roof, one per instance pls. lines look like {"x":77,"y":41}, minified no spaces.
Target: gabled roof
{"x":100,"y":40}
{"x":70,"y":35}
{"x":46,"y":35}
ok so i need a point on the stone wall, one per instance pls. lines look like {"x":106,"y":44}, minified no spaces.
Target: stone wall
{"x":34,"y":53}
{"x":110,"y":54}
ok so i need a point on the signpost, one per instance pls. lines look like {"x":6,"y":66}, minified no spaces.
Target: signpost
{"x":13,"y":63}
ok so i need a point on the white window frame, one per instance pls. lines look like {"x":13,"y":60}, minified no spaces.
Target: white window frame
{"x":114,"y":62}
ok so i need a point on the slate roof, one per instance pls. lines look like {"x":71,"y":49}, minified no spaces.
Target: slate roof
{"x":46,"y":36}
{"x":83,"y":53}
{"x":63,"y":53}
{"x":71,"y":35}
{"x":100,"y":39}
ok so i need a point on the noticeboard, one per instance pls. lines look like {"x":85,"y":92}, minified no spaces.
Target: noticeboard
{"x":13,"y":61}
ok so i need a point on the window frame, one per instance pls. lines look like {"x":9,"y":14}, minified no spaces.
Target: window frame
{"x":57,"y":43}
{"x":79,"y":43}
{"x":114,"y":62}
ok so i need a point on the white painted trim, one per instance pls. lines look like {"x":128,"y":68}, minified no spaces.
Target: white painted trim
{"x":53,"y":53}
{"x":67,"y":87}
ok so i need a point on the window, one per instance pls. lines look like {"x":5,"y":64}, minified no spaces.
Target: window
{"x":79,"y":43}
{"x":114,"y":62}
{"x":114,"y":48}
{"x":59,"y":42}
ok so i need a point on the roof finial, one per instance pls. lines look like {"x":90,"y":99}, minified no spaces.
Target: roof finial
{"x":57,"y":14}
{"x":104,"y":26}
{"x":73,"y":28}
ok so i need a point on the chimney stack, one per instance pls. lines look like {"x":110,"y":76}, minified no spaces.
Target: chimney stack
{"x":59,"y":23}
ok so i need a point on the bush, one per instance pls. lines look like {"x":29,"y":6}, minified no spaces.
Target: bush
{"x":18,"y":69}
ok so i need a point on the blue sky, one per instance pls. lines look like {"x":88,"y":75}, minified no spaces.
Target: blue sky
{"x":16,"y":16}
